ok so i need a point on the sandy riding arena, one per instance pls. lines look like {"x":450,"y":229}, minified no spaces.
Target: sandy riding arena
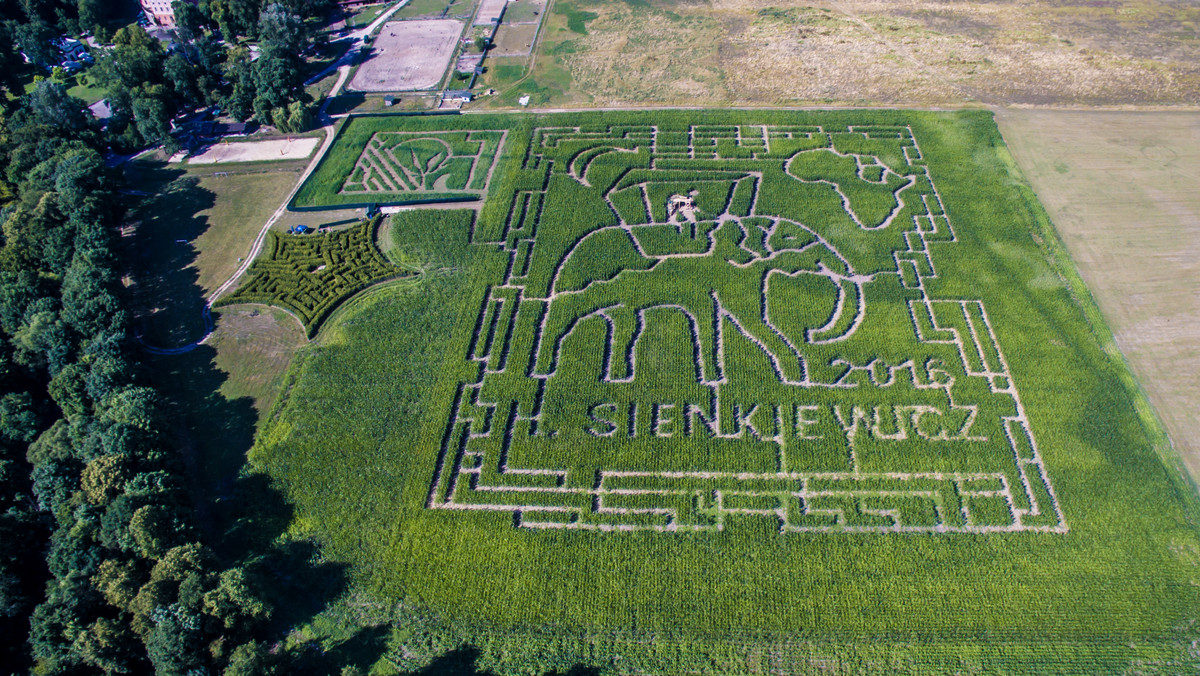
{"x":409,"y":55}
{"x":256,"y":151}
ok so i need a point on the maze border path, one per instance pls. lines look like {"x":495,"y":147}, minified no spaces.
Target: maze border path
{"x":803,"y":502}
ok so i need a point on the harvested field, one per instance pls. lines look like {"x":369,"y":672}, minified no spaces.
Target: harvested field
{"x":877,"y":51}
{"x":409,"y":55}
{"x":256,"y":151}
{"x":515,"y":39}
{"x":1123,"y":190}
{"x":524,"y":11}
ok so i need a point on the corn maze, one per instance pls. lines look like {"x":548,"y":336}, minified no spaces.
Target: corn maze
{"x":734,"y":392}
{"x":416,"y":164}
{"x":746,"y":322}
{"x":311,"y":275}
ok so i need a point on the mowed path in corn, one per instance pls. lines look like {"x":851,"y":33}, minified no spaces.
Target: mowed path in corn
{"x":1123,"y":190}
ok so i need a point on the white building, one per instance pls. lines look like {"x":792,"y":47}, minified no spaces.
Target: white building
{"x":160,"y":12}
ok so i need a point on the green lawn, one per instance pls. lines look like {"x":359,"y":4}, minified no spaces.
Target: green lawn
{"x":426,"y":9}
{"x":578,"y":437}
{"x":192,"y":232}
{"x":89,"y":93}
{"x":366,"y":16}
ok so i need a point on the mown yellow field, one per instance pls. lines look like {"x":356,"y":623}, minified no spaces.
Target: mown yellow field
{"x":897,"y":52}
{"x":1123,"y":189}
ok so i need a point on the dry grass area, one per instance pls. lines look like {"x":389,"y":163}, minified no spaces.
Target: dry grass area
{"x":1122,"y":189}
{"x":317,"y":219}
{"x":515,"y":39}
{"x":924,"y":52}
{"x":241,"y":204}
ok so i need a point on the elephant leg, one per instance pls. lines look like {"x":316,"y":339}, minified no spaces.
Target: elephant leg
{"x":702,"y":314}
{"x":747,"y":314}
{"x":851,"y":308}
{"x":564,"y":311}
{"x":624,"y":328}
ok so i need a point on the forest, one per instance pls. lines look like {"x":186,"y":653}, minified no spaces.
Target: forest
{"x":104,"y":569}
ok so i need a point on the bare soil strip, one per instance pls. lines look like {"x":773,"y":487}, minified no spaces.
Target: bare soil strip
{"x":257,"y":151}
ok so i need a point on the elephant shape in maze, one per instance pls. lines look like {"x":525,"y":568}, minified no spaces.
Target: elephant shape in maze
{"x":719,"y":273}
{"x":726,"y":283}
{"x":802,"y":254}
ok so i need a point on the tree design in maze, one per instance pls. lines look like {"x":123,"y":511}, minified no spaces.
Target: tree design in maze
{"x":715,"y":324}
{"x":435,"y":163}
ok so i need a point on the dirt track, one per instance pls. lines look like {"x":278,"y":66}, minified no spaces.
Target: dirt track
{"x":257,"y":151}
{"x":408,"y":55}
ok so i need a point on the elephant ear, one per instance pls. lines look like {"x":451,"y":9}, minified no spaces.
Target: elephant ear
{"x":599,"y":257}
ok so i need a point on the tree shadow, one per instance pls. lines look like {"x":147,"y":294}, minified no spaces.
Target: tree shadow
{"x":344,"y":103}
{"x":164,"y":226}
{"x":360,"y":651}
{"x":239,"y":514}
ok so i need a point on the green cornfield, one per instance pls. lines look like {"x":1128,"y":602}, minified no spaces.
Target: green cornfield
{"x":371,"y":162}
{"x":740,"y":392}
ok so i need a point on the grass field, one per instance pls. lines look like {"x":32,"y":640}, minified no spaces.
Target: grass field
{"x":745,"y":392}
{"x":524,"y":11}
{"x":220,"y":392}
{"x":1122,"y":191}
{"x":254,"y":346}
{"x":366,"y":16}
{"x":192,"y":232}
{"x":515,"y":39}
{"x":434,"y":9}
{"x":868,"y":52}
